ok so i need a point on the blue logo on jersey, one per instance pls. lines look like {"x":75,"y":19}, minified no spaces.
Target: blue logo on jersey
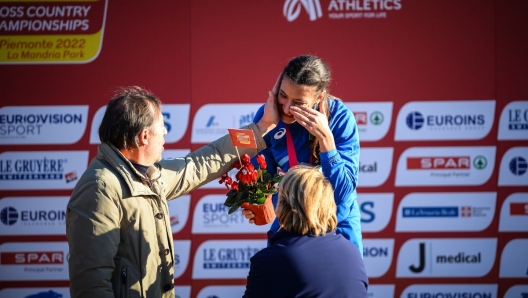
{"x":415,"y":120}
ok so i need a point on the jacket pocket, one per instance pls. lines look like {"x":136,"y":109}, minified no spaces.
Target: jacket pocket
{"x":120,"y":284}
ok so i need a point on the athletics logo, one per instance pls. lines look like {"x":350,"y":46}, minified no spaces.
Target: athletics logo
{"x":292,"y":9}
{"x":415,"y":120}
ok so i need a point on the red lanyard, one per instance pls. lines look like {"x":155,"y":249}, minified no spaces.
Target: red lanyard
{"x":292,"y":156}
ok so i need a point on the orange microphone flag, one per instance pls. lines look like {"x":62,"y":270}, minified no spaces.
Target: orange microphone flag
{"x":242,"y":138}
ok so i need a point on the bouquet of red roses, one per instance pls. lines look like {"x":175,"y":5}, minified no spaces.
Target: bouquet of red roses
{"x":253,"y":187}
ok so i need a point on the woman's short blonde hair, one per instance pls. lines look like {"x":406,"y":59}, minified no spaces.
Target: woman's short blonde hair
{"x":306,"y":202}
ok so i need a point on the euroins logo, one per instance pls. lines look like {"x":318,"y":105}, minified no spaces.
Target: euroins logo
{"x":292,"y":9}
{"x":416,"y":120}
{"x":9,"y":216}
{"x":518,"y":166}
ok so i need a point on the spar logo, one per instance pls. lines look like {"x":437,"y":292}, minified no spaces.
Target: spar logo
{"x":446,"y":257}
{"x":446,"y":163}
{"x":292,"y":9}
{"x":445,"y":166}
{"x":445,"y":120}
{"x":32,"y":258}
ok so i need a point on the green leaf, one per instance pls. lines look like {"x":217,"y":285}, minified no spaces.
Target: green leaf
{"x":234,"y":208}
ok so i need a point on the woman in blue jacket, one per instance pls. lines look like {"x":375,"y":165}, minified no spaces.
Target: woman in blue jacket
{"x":306,"y":258}
{"x":315,"y":128}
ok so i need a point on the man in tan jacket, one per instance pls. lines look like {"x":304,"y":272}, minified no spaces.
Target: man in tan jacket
{"x":117,"y":220}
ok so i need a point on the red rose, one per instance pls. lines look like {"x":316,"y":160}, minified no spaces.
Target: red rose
{"x":237,"y":165}
{"x":245,"y":159}
{"x":261,"y":161}
{"x":234,"y":186}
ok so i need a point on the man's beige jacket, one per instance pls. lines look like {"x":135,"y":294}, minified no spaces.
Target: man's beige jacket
{"x":117,"y":220}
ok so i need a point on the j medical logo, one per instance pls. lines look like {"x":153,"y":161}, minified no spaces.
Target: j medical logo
{"x":517,"y":291}
{"x":179,"y":212}
{"x":41,"y":169}
{"x":514,"y":259}
{"x":225,"y":258}
{"x":377,"y":256}
{"x":221,"y":292}
{"x":445,"y":120}
{"x":376,"y":210}
{"x":445,"y":290}
{"x":182,"y":255}
{"x":446,"y":257}
{"x":292,"y":9}
{"x":212,"y":120}
{"x":374,"y":166}
{"x":513,"y":123}
{"x":433,"y":166}
{"x":35,"y":292}
{"x":211,"y":217}
{"x":513,"y":167}
{"x":514,"y":213}
{"x":33,"y":261}
{"x":42,"y":125}
{"x":175,"y":119}
{"x":441,"y":212}
{"x":373,"y":119}
{"x":33,"y":216}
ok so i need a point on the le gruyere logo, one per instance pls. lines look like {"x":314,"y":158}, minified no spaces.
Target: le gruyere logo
{"x":51,"y":31}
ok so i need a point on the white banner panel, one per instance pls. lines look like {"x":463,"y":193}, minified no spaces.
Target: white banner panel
{"x":182,"y":255}
{"x":212,"y":120}
{"x":373,"y":119}
{"x":449,"y":211}
{"x":468,"y":257}
{"x":224,"y":259}
{"x":211,"y":217}
{"x":50,"y":292}
{"x":34,"y":261}
{"x":32,"y":125}
{"x":377,"y":256}
{"x":222,"y":292}
{"x":445,"y":166}
{"x":179,"y":210}
{"x":513,"y":124}
{"x":443,"y":290}
{"x":445,"y":120}
{"x":513,"y":167}
{"x":514,"y":213}
{"x":33,"y":215}
{"x":175,"y":118}
{"x":375,"y":165}
{"x":41,"y":169}
{"x":376,"y":210}
{"x":514,"y":259}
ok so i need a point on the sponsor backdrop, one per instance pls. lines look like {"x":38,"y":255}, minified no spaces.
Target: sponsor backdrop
{"x":438,"y":88}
